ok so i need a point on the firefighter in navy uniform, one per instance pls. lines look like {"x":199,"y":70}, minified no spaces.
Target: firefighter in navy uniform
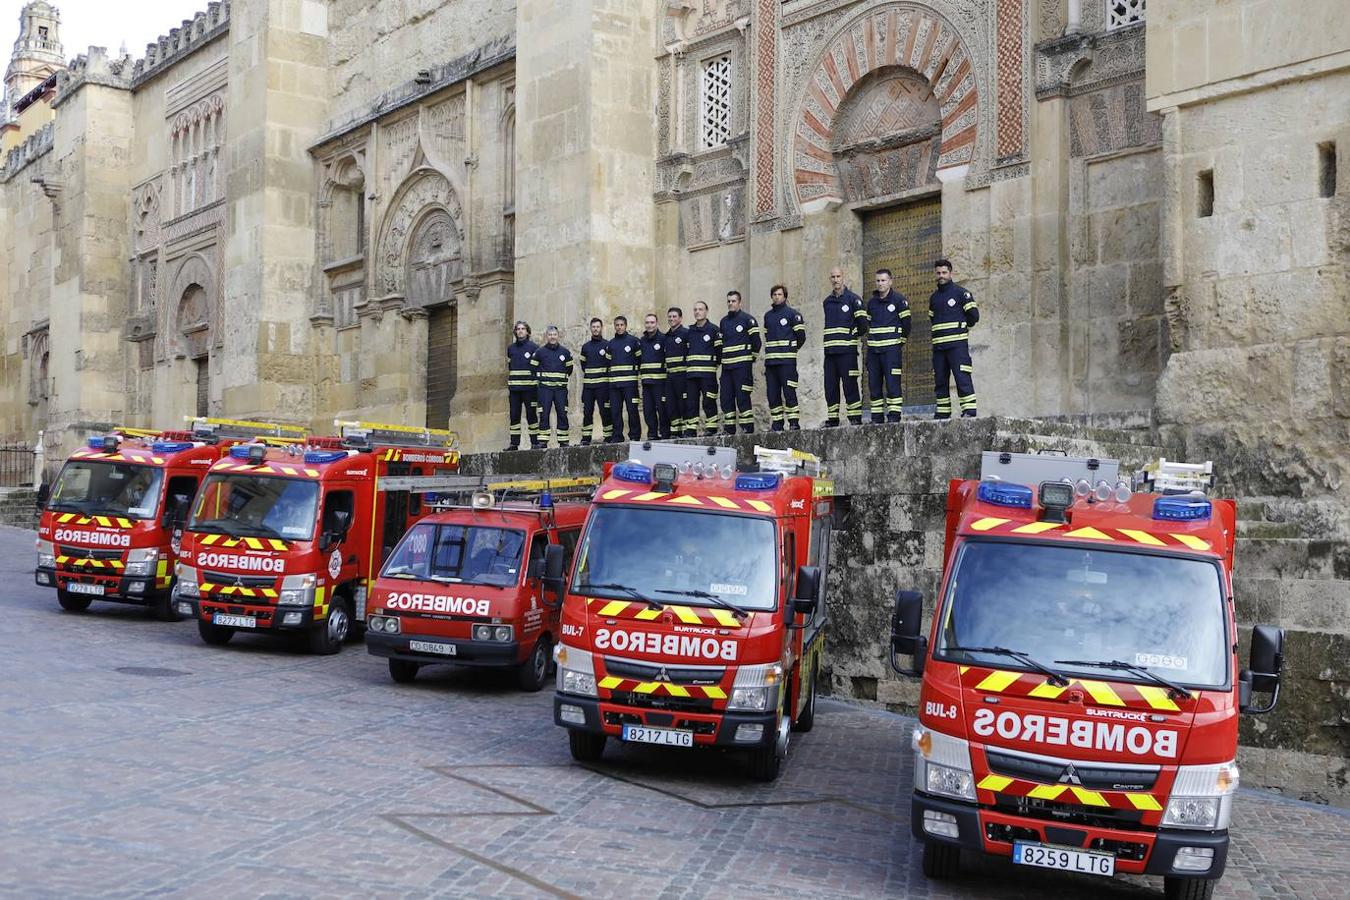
{"x":740,"y":346}
{"x":784,"y":335}
{"x":655,"y":410}
{"x":676,"y":345}
{"x":625,"y":352}
{"x":845,"y":324}
{"x":954,"y":313}
{"x":522,"y":387}
{"x":553,"y":365}
{"x":594,"y":358}
{"x":888,"y":321}
{"x":700,"y":367}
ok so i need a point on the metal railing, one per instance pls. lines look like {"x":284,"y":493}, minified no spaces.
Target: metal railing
{"x":16,"y":466}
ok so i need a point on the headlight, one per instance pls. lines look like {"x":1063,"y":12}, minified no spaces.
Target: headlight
{"x":1202,"y":796}
{"x":576,"y":671}
{"x":942,"y":764}
{"x":756,"y":688}
{"x":386,"y":624}
{"x":187,"y":580}
{"x":46,"y":554}
{"x":297,"y":590}
{"x":501,"y":633}
{"x":142,"y":562}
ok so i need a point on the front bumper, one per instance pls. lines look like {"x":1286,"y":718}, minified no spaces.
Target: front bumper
{"x":267,"y":618}
{"x":467,"y":652}
{"x":974,"y":827}
{"x":137,"y":589}
{"x":711,"y":729}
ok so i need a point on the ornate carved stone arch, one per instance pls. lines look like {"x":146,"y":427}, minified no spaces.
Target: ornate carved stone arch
{"x":193,"y":300}
{"x":424,"y":191}
{"x":39,"y":350}
{"x":345,"y":173}
{"x":905,"y":36}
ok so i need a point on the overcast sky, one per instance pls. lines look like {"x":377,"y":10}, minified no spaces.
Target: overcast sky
{"x":105,"y":23}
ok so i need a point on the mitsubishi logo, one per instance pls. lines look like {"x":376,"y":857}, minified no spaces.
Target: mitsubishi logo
{"x":1070,"y":776}
{"x":662,"y":675}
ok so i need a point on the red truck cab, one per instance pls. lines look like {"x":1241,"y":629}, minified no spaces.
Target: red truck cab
{"x":107,"y":530}
{"x":465,"y":584}
{"x":287,"y":540}
{"x":1081,"y":692}
{"x":695,"y":611}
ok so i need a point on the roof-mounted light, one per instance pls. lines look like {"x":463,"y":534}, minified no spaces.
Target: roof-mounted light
{"x":1056,"y":497}
{"x":1002,"y":493}
{"x":634,"y":472}
{"x":1182,"y":508}
{"x":664,"y":474}
{"x":482,"y":500}
{"x":170,"y":446}
{"x":254,"y":453}
{"x":324,"y":456}
{"x":757,"y":481}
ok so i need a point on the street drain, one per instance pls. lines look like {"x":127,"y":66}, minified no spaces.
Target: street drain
{"x":151,"y":673}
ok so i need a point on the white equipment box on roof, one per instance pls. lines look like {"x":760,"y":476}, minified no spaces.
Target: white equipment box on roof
{"x":1033,"y":468}
{"x":649,"y":453}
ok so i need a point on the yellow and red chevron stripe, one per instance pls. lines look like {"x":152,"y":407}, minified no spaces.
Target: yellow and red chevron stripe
{"x":1069,"y":793}
{"x":688,"y":615}
{"x":993,"y":524}
{"x":269,"y":468}
{"x":104,"y":521}
{"x":91,"y":563}
{"x":630,"y":496}
{"x":394,"y":454}
{"x":237,"y":590}
{"x":252,"y":543}
{"x":662,"y":688}
{"x":119,"y":457}
{"x":1031,"y":684}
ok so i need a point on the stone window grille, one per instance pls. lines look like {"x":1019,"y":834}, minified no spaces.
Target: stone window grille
{"x":1123,"y":13}
{"x":197,"y":135}
{"x":715,"y":111}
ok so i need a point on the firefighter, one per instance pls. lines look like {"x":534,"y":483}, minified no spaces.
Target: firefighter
{"x":954,"y":313}
{"x":888,"y":322}
{"x":700,"y":366}
{"x":594,"y":359}
{"x":553,"y":364}
{"x":625,"y":352}
{"x":522,"y":387}
{"x":845,"y":324}
{"x":677,"y":344}
{"x":655,"y":408}
{"x":784,"y":335}
{"x":740,"y":346}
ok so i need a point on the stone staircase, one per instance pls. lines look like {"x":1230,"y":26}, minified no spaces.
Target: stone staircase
{"x":18,"y":507}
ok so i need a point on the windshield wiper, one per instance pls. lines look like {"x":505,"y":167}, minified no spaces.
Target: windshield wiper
{"x":630,"y":591}
{"x":216,"y":526}
{"x":1174,"y":690}
{"x":705,"y":595}
{"x":70,"y":505}
{"x":111,"y":511}
{"x":1055,"y":677}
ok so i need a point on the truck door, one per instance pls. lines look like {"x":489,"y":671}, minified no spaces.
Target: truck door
{"x":818,"y":554}
{"x":395,"y":508}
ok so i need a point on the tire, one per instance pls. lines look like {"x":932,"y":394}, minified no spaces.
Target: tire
{"x":403,"y":671}
{"x":327,"y":636}
{"x":1189,"y":888}
{"x":72,"y":602}
{"x":533,"y":672}
{"x":215,"y":635}
{"x":940,"y":861}
{"x":765,"y":764}
{"x":585,"y":747}
{"x":163,"y":608}
{"x":806,"y":716}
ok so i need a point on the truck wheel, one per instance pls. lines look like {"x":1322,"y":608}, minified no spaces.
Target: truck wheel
{"x":326,"y":637}
{"x":215,"y":635}
{"x":765,"y":764}
{"x":940,"y":860}
{"x":531,"y":674}
{"x":806,"y":716}
{"x":403,"y":671}
{"x":585,"y":747}
{"x":1189,"y":888}
{"x":163,"y":608}
{"x":72,"y":602}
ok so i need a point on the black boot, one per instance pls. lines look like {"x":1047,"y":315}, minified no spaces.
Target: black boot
{"x":586,"y":441}
{"x":968,"y":414}
{"x":831,"y":423}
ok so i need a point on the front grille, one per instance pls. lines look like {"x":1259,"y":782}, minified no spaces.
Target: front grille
{"x":649,"y":701}
{"x":241,"y":580}
{"x":1092,"y":777}
{"x":1068,"y":813}
{"x":627,"y":668}
{"x":87,"y":553}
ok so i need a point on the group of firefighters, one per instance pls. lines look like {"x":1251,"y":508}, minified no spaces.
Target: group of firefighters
{"x":674,"y":374}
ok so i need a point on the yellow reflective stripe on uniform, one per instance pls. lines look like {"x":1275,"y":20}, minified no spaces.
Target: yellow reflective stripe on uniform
{"x":1157,"y":697}
{"x":989,"y":523}
{"x":948,"y":326}
{"x":1142,"y":537}
{"x":1192,"y":541}
{"x":1102,"y":693}
{"x":1145,"y":802}
{"x":994,"y":782}
{"x":997,"y":681}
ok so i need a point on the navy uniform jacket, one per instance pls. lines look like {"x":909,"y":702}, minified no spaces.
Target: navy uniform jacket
{"x":705,"y":349}
{"x":888,"y":320}
{"x":653,"y":368}
{"x":519,"y":365}
{"x":625,"y":351}
{"x":553,"y":365}
{"x":784,"y":335}
{"x":595,"y":363}
{"x":953,"y":312}
{"x":740,"y":340}
{"x":845,"y":322}
{"x":676,"y":346}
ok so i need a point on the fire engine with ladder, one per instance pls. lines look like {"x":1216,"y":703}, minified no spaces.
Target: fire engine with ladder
{"x":466,"y":585}
{"x":695,"y":612}
{"x":107,"y":530}
{"x":1080,"y":680}
{"x":287,"y":540}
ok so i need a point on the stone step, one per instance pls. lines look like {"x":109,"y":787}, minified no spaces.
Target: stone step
{"x":1251,"y":509}
{"x":1293,"y":558}
{"x":1309,"y":604}
{"x":1259,"y":530}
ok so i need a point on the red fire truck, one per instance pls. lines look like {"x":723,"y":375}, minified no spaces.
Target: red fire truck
{"x":107,"y":530}
{"x":695,"y":612}
{"x":288,"y":539}
{"x":1081,"y":691}
{"x":465,"y":585}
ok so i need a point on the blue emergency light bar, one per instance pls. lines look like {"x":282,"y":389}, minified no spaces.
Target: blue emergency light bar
{"x":757,"y":481}
{"x":324,"y":456}
{"x":1182,"y":509}
{"x":170,"y":446}
{"x":239,"y":451}
{"x":1001,"y":493}
{"x":634,"y":472}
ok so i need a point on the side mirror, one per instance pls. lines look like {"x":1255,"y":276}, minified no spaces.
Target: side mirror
{"x":905,"y":637}
{"x":535,"y":569}
{"x":341,"y":521}
{"x":328,"y":540}
{"x":553,"y":574}
{"x":806,"y":598}
{"x":1263,"y":676}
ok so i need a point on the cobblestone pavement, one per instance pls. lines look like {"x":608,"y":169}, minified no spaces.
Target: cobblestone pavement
{"x":135,"y":760}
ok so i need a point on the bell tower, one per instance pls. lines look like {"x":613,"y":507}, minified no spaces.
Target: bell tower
{"x":37,"y":51}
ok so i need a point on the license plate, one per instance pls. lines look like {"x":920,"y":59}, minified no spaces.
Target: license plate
{"x":76,"y":587}
{"x":1063,"y":858}
{"x":432,"y":647}
{"x":666,"y":737}
{"x":235,"y":621}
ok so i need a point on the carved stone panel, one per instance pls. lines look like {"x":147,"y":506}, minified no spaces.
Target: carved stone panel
{"x":424,"y":192}
{"x":443,"y":131}
{"x":435,"y":259}
{"x":887,"y":136}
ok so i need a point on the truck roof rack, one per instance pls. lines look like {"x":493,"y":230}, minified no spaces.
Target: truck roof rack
{"x":527,"y":488}
{"x":1033,"y":468}
{"x":684,"y":457}
{"x":215,"y":429}
{"x":788,"y":462}
{"x":365,"y":434}
{"x":1167,"y":476}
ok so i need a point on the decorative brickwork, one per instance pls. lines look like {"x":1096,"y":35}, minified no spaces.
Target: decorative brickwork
{"x":766,"y":76}
{"x":1010,"y":79}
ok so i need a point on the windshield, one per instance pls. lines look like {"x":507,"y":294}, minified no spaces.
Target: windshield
{"x":1161,"y":613}
{"x":258,"y":506}
{"x":107,"y":489}
{"x":469,"y":554}
{"x":673,"y":556}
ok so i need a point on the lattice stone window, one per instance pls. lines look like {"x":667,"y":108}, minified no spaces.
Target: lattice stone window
{"x":1121,"y":13}
{"x":715,"y":108}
